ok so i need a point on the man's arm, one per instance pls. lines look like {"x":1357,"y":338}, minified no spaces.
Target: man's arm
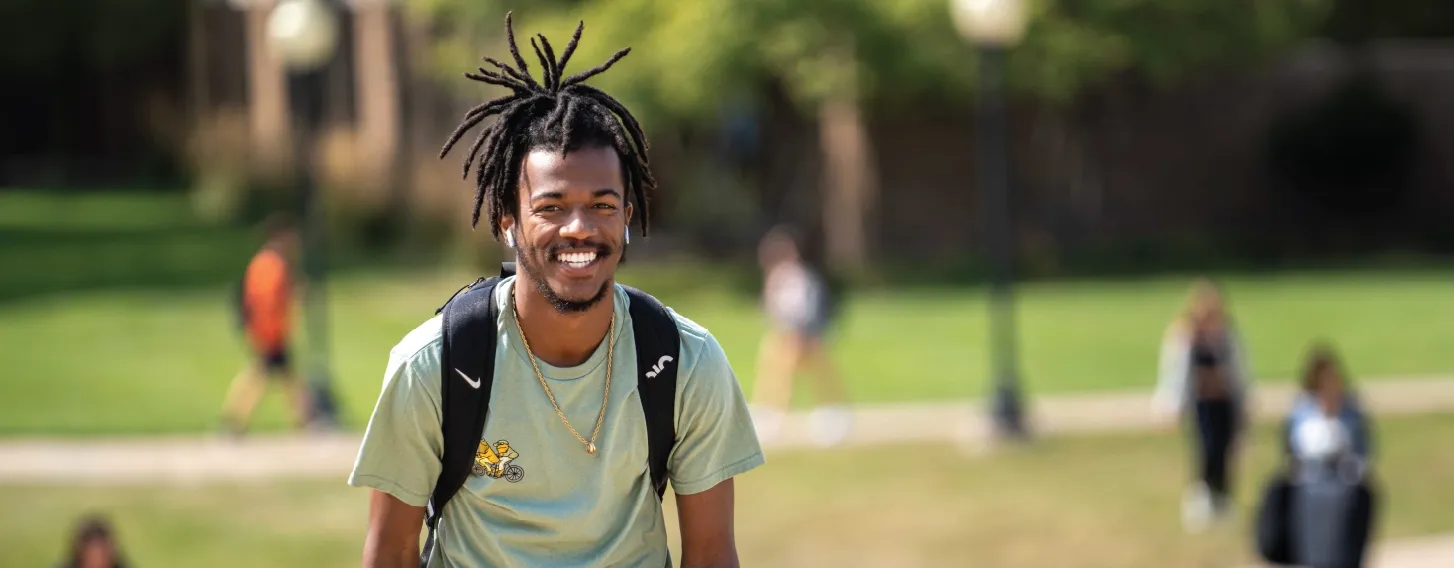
{"x":706,"y":528}
{"x":715,"y":442}
{"x":393,"y":537}
{"x":399,"y":457}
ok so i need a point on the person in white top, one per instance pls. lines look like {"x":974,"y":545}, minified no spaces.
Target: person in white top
{"x":796,"y":300}
{"x":1204,"y":381}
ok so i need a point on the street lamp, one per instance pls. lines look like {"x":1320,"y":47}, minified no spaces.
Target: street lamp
{"x":304,"y":36}
{"x":995,"y":26}
{"x":303,"y":33}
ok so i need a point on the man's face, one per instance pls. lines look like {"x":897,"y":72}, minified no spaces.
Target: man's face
{"x":572,"y":224}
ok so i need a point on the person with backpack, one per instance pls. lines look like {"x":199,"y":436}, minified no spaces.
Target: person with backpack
{"x":599,"y":393}
{"x":799,"y":306}
{"x":265,"y":311}
{"x":1329,"y":447}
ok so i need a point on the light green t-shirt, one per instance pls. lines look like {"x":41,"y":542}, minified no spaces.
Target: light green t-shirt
{"x":553,"y":504}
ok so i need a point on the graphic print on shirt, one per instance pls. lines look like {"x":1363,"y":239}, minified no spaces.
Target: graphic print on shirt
{"x":494,"y":460}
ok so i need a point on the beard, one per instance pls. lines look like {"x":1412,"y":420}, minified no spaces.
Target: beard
{"x":531,"y":259}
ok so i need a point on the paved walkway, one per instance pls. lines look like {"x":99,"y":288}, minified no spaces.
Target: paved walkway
{"x":1117,"y":411}
{"x":1418,"y":552}
{"x":183,"y":459}
{"x":1422,"y":552}
{"x":196,"y":459}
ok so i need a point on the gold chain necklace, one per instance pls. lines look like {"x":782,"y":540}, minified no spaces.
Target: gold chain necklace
{"x":610,"y":352}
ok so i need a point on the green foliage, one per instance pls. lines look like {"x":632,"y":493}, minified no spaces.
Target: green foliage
{"x":688,"y":57}
{"x":1168,"y":39}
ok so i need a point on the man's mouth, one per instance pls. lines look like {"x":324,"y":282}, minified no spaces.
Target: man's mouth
{"x":578,"y":259}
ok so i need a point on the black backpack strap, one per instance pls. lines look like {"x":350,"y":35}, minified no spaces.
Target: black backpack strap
{"x":467,"y":372}
{"x":658,"y":354}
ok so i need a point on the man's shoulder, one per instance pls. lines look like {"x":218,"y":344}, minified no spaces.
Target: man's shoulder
{"x":691,"y":331}
{"x":696,"y":341}
{"x":700,"y":349}
{"x":421,"y":346}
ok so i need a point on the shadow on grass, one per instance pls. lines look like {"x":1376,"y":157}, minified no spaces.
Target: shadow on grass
{"x":55,"y":243}
{"x":41,"y":262}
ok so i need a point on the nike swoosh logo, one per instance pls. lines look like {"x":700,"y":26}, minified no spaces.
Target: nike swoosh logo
{"x":474,"y":383}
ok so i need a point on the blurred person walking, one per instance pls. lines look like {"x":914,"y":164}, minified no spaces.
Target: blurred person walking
{"x":537,"y":419}
{"x":93,"y":545}
{"x":799,"y":305}
{"x":1204,"y":383}
{"x":265,"y":305}
{"x":1329,"y":447}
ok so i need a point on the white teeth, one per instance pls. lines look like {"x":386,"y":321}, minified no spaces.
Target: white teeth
{"x":578,"y":259}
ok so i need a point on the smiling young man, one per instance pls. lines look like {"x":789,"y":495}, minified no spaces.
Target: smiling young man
{"x":564,"y":468}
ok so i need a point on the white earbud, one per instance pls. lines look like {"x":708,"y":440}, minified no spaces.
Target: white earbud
{"x":628,"y":235}
{"x":510,"y":239}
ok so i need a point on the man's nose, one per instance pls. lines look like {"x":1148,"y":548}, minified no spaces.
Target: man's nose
{"x":578,"y":226}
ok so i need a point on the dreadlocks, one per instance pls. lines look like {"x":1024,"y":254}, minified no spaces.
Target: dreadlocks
{"x":559,"y":113}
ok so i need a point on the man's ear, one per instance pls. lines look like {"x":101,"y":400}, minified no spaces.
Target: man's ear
{"x":507,"y":226}
{"x":627,"y":243}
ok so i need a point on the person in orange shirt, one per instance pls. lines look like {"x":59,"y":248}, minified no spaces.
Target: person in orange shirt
{"x":267,"y":306}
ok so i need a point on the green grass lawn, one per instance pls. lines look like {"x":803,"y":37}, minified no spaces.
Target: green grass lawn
{"x":1092,"y":502}
{"x":115,"y":318}
{"x":145,"y":360}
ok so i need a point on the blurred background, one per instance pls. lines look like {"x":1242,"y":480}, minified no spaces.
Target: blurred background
{"x":1010,"y":201}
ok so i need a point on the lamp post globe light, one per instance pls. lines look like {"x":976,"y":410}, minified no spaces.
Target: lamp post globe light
{"x":994,"y":27}
{"x":997,"y":23}
{"x":303,"y":34}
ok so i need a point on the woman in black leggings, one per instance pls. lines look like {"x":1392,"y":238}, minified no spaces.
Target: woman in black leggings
{"x":1203,"y":380}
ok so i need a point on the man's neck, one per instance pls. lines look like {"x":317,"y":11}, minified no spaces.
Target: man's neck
{"x":562,"y":340}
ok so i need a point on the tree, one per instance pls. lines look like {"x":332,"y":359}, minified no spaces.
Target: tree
{"x":833,"y":55}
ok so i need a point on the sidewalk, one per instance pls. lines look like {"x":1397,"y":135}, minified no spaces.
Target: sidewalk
{"x":1417,"y":552}
{"x":967,"y":422}
{"x":190,"y":459}
{"x":185,"y":460}
{"x":1421,"y":552}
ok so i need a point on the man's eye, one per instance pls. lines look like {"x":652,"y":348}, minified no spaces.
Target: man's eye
{"x":547,"y":208}
{"x":606,"y":206}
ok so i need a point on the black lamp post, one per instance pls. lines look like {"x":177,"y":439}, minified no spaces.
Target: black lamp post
{"x":304,"y":35}
{"x":995,"y":26}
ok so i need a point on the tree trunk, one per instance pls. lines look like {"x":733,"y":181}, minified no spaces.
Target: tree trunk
{"x":200,"y":100}
{"x":848,"y":175}
{"x":377,"y":89}
{"x":850,"y":182}
{"x":267,"y":96}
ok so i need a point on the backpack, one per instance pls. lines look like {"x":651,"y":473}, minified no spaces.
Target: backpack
{"x":237,"y":298}
{"x":1272,"y":529}
{"x":470,"y":334}
{"x":835,"y":288}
